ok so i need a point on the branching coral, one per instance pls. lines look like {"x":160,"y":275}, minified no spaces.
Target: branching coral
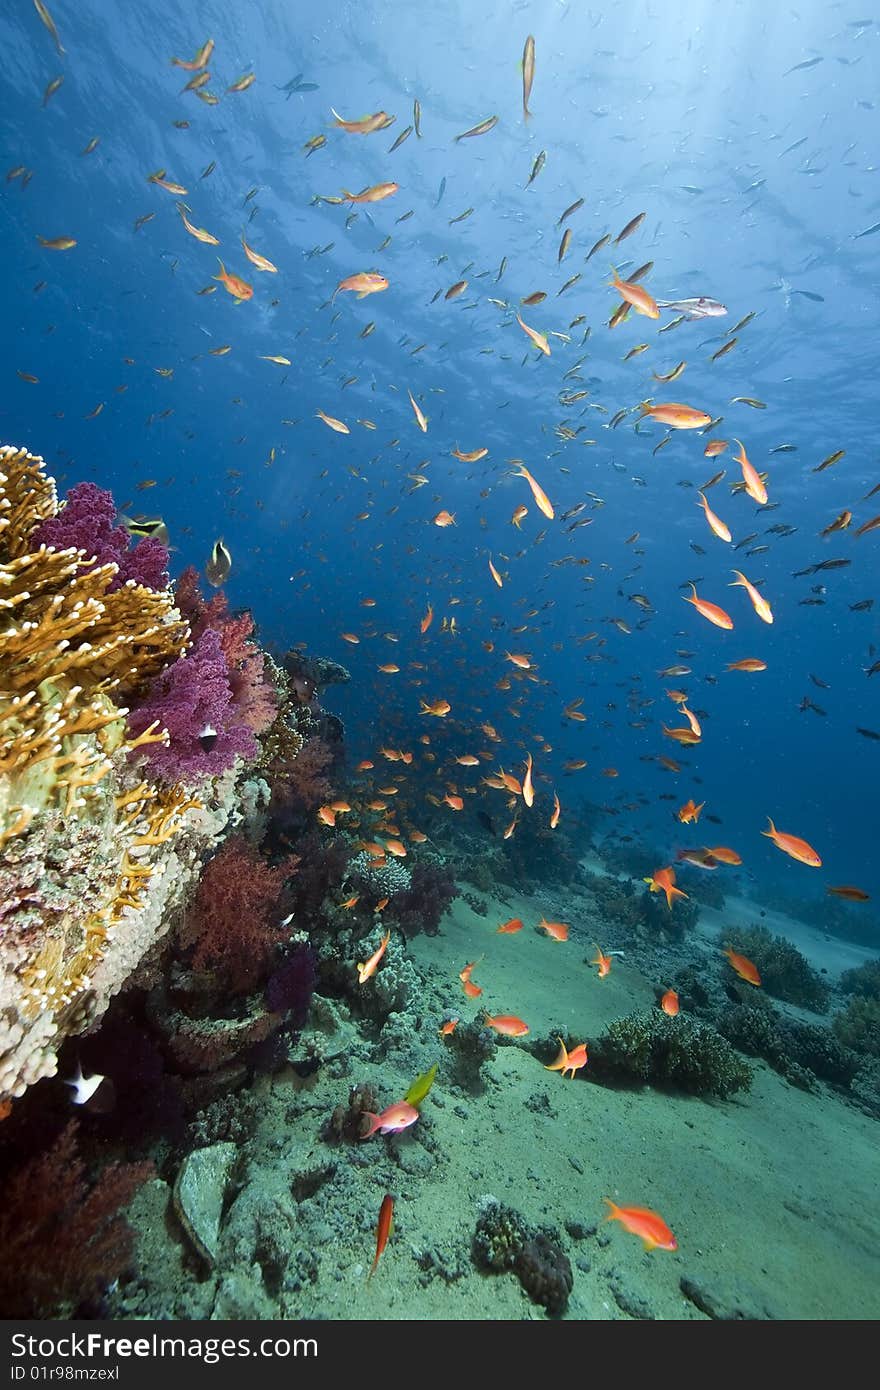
{"x":88,"y":858}
{"x":668,"y":1051}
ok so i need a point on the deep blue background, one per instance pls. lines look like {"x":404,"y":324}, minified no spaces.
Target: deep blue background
{"x":683,"y":112}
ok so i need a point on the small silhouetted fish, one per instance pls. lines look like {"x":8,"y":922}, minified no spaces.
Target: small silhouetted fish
{"x":801,"y":67}
{"x":868,"y":733}
{"x":486,"y":821}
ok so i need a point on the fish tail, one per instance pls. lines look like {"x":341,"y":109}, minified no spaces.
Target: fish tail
{"x":772,"y":832}
{"x":614,"y":1209}
{"x":375,"y":1122}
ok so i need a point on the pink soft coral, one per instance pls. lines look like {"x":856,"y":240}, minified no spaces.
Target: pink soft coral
{"x":253,"y":695}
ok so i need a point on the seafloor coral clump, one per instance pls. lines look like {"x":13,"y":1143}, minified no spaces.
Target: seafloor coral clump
{"x":784,"y":972}
{"x":420,"y":906}
{"x":346,"y":1123}
{"x":863,"y":980}
{"x":503,"y":1241}
{"x":92,"y":855}
{"x":858,"y":1026}
{"x":668,"y":1051}
{"x":800,"y":1052}
{"x":63,"y":1237}
{"x":669,"y":923}
{"x":471,"y":1045}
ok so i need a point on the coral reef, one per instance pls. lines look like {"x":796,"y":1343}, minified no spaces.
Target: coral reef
{"x":863,"y":980}
{"x":63,"y":1238}
{"x":858,"y":1026}
{"x":503,"y":1241}
{"x":784,"y":972}
{"x":86,"y":523}
{"x":346,"y":1124}
{"x":93,"y":856}
{"x":229,"y":929}
{"x":668,"y":1051}
{"x":420,"y":906}
{"x":471,"y":1045}
{"x":800,"y":1052}
{"x":193,"y":701}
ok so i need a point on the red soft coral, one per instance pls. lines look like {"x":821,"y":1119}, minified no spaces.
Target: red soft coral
{"x":63,"y":1239}
{"x":300,"y":783}
{"x":230,"y":923}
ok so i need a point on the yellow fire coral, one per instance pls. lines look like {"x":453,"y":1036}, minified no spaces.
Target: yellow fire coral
{"x":88,"y":860}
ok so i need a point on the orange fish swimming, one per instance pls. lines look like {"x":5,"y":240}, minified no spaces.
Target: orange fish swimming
{"x":507,"y":1024}
{"x":508,"y":928}
{"x":439,"y":708}
{"x":557,"y":930}
{"x":849,"y":894}
{"x":365,"y":125}
{"x":397,"y":1117}
{"x":537,"y":338}
{"x":715,"y":522}
{"x":791,"y":845}
{"x":371,"y":195}
{"x":663,"y":881}
{"x":528,"y":791}
{"x":365,"y":971}
{"x":448,"y":1027}
{"x":669,"y":1003}
{"x":364,"y":282}
{"x":710,"y":611}
{"x":569,"y":1061}
{"x":238,"y":288}
{"x":604,"y":963}
{"x":383,"y":1228}
{"x":745,"y":968}
{"x":760,"y":605}
{"x":689,"y":813}
{"x":748,"y":663}
{"x":723,"y":855}
{"x":753,"y":485}
{"x":542,"y":500}
{"x":651,"y":1229}
{"x":676,"y":416}
{"x":557,"y":809}
{"x":639,"y":298}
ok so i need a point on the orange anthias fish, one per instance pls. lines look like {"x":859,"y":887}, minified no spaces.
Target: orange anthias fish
{"x":365,"y":126}
{"x":849,"y":894}
{"x":710,"y":611}
{"x":397,"y":1117}
{"x":537,"y":338}
{"x":508,"y":928}
{"x":238,"y":288}
{"x":715,"y":522}
{"x":651,"y":1229}
{"x":700,"y":858}
{"x":383,"y":1228}
{"x":363,"y":283}
{"x":558,"y":930}
{"x":689,"y":813}
{"x":604,"y":963}
{"x":676,"y":416}
{"x":748,"y":663}
{"x":724,"y":855}
{"x":557,"y":810}
{"x":760,"y":605}
{"x":790,"y":844}
{"x":745,"y":968}
{"x":507,"y":1024}
{"x":448,"y":1027}
{"x":640,"y":299}
{"x":663,"y":881}
{"x":365,"y":971}
{"x":371,"y":195}
{"x":754,"y":487}
{"x":439,"y":708}
{"x":543,"y":501}
{"x":528,"y":791}
{"x":569,"y":1061}
{"x":669,"y":1003}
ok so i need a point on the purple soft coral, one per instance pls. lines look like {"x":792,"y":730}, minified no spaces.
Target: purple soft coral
{"x":190,"y":698}
{"x":86,"y":523}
